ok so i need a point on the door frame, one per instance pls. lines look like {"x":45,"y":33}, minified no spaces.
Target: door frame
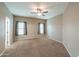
{"x":7,"y":32}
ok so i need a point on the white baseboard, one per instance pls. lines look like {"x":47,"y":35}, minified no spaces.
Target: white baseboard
{"x":57,"y":41}
{"x":2,"y":52}
{"x":67,"y":50}
{"x":64,"y":46}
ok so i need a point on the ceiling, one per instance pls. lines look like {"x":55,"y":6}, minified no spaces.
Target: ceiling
{"x":24,"y":8}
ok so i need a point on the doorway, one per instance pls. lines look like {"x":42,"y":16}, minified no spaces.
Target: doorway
{"x":7,"y":32}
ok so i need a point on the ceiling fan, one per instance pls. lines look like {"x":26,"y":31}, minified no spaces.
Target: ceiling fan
{"x":39,"y":12}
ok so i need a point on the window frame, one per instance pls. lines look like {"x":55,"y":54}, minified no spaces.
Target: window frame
{"x":25,"y":29}
{"x":43,"y":29}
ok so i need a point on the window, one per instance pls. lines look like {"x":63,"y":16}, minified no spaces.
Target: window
{"x":41,"y":28}
{"x":21,"y":28}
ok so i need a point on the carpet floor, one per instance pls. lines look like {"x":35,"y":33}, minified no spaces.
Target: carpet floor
{"x":36,"y":48}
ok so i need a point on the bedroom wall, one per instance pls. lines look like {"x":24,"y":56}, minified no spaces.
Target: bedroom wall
{"x":63,"y":28}
{"x":71,"y":29}
{"x":32,"y":28}
{"x":4,"y":12}
{"x":54,"y":28}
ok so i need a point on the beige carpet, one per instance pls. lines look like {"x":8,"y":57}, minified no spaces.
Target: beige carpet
{"x":36,"y":48}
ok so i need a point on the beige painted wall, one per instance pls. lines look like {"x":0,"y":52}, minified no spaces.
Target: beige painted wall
{"x":32,"y":27}
{"x":3,"y":13}
{"x":54,"y":28}
{"x":71,"y":29}
{"x":65,"y":28}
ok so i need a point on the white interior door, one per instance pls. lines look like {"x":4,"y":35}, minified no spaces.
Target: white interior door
{"x":7,"y":33}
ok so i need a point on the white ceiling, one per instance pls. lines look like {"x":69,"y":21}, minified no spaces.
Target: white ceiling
{"x":24,"y":8}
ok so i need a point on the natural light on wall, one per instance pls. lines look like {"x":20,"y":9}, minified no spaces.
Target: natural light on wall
{"x":41,"y":28}
{"x":7,"y":32}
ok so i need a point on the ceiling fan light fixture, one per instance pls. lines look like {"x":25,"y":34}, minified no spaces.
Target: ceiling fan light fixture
{"x":39,"y":14}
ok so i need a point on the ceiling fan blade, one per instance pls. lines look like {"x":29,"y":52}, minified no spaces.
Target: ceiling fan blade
{"x":33,"y":13}
{"x":45,"y":11}
{"x":43,"y":15}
